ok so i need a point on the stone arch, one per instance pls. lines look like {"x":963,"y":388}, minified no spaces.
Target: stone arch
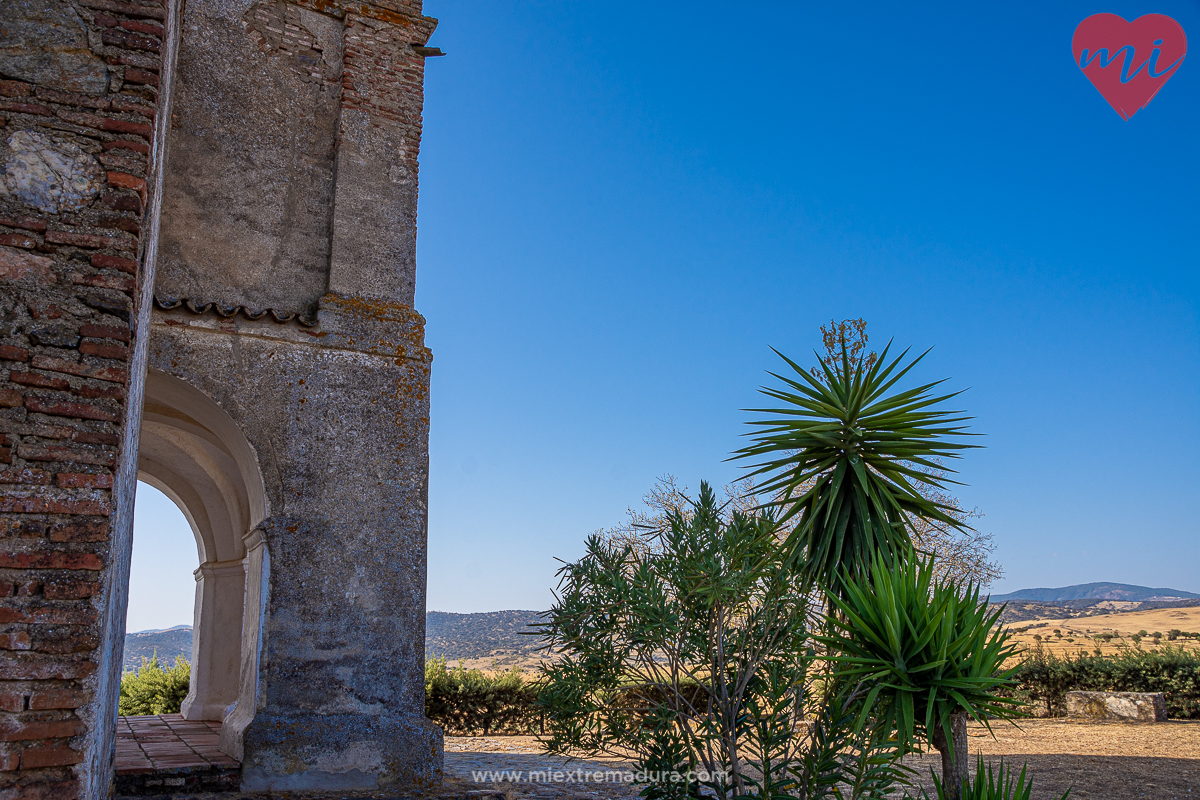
{"x":194,"y":452}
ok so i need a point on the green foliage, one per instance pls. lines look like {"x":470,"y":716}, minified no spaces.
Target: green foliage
{"x":926,"y":648}
{"x":154,"y":690}
{"x":1175,"y":671}
{"x":847,"y":456}
{"x":990,"y":785}
{"x":695,"y":655}
{"x":466,"y":701}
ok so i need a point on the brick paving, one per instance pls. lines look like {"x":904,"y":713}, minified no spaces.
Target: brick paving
{"x":167,"y":742}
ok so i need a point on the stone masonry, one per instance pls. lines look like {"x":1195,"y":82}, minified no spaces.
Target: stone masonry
{"x":207,"y":272}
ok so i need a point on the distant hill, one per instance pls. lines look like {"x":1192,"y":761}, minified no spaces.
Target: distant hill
{"x":496,"y":636}
{"x":168,"y":643}
{"x":1095,"y":591}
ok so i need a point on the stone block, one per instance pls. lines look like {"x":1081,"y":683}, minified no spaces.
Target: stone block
{"x":1117,"y":706}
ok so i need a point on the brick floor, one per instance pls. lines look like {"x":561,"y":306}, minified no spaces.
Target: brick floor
{"x":167,"y":742}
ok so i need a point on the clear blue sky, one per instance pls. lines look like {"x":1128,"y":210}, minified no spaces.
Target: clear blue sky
{"x":624,"y":205}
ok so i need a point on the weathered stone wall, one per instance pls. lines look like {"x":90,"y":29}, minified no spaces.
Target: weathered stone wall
{"x":287,"y":185}
{"x":78,"y":101}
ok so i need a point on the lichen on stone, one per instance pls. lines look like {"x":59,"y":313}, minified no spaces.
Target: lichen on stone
{"x":50,"y":174}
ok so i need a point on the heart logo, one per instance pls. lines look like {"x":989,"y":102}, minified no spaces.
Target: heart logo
{"x":1128,"y":62}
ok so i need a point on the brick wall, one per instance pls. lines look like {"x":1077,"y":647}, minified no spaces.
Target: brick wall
{"x":382,"y":75}
{"x":71,"y":217}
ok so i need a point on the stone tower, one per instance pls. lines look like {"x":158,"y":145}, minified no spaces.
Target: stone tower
{"x":207,"y":267}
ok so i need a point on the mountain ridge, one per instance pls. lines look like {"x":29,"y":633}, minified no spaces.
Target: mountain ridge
{"x":1095,"y":591}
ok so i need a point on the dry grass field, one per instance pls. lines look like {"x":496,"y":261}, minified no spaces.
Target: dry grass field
{"x":1070,"y":636}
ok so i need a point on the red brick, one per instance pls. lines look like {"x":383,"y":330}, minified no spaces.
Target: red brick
{"x":126,"y":181}
{"x":10,"y":353}
{"x":28,"y":223}
{"x":40,"y":381}
{"x":95,"y":437}
{"x":118,"y":351}
{"x":121,"y":126}
{"x":142,"y":27}
{"x":132,"y":41}
{"x":105,"y":331}
{"x":111,"y":374}
{"x":5,"y":455}
{"x":18,"y":240}
{"x":89,"y":240}
{"x":12,"y":730}
{"x":27,"y":475}
{"x":80,"y":531}
{"x":18,"y":640}
{"x":105,"y":21}
{"x":68,"y":589}
{"x":123,"y":283}
{"x":122,"y":144}
{"x":12,"y":701}
{"x":30,"y":588}
{"x":134,"y":75}
{"x":26,"y":108}
{"x":114,"y":262}
{"x":50,"y":559}
{"x":120,"y":223}
{"x":16,"y":265}
{"x":132,"y":106}
{"x":93,"y":392}
{"x":21,"y":529}
{"x":122,"y":202}
{"x":15,"y":89}
{"x":58,"y":755}
{"x":128,"y":9}
{"x":11,"y":398}
{"x":65,"y":454}
{"x":83,"y":480}
{"x":65,"y":408}
{"x":9,"y":759}
{"x":48,"y":699}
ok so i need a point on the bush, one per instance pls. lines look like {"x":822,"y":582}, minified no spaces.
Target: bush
{"x":154,"y":690}
{"x":989,"y":784}
{"x":1175,"y":671}
{"x":466,"y":701}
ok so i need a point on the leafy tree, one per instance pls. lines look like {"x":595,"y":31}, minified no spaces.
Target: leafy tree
{"x":154,"y":690}
{"x":696,"y":654}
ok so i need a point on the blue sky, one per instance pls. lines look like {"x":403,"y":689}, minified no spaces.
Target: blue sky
{"x":623,"y":206}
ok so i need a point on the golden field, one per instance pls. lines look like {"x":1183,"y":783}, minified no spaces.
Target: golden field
{"x":1078,"y":634}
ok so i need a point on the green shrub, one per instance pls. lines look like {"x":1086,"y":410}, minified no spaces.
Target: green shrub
{"x":154,"y":690}
{"x":466,"y":701}
{"x":1175,"y":671}
{"x":990,"y":784}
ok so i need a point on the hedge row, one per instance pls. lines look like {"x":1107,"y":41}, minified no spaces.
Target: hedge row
{"x":469,"y":701}
{"x":1044,"y":678}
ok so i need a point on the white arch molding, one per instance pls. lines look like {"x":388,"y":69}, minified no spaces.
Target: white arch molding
{"x":193,"y":451}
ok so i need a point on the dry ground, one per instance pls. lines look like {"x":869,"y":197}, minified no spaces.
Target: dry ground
{"x":1098,"y":761}
{"x":1078,"y":633}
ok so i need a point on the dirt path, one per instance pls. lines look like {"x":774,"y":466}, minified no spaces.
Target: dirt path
{"x":1105,"y":761}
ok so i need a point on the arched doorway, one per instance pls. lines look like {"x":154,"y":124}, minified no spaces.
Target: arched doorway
{"x":193,"y":452}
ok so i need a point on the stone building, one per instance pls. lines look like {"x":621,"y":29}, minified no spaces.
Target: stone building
{"x":207,"y":264}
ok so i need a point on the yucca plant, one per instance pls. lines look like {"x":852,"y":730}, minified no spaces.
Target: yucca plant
{"x":990,"y":785}
{"x":930,"y":651}
{"x":845,"y":452}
